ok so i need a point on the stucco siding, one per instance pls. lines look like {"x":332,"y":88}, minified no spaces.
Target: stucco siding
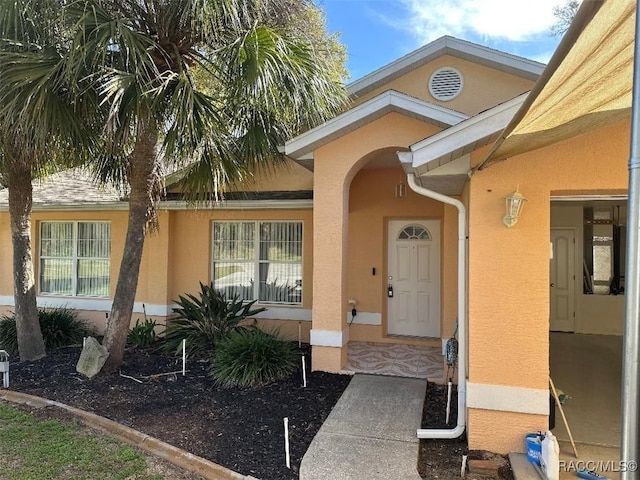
{"x":483,"y":87}
{"x":496,"y":431}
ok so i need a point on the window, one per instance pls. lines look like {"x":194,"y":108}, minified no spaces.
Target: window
{"x":604,"y":249}
{"x":258,"y":261}
{"x":74,"y":258}
{"x":414,"y":232}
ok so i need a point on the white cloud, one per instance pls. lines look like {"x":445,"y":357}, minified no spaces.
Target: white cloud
{"x":511,"y":20}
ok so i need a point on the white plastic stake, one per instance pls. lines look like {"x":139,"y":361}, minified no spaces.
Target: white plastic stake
{"x":299,"y":334}
{"x":184,"y":355}
{"x":304,"y":373}
{"x":286,"y":441}
{"x":448,"y":401}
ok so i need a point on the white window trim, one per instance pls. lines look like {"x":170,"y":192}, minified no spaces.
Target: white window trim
{"x":74,"y":258}
{"x":256,"y":259}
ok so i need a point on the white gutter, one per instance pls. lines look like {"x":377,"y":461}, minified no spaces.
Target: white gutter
{"x":462,"y":315}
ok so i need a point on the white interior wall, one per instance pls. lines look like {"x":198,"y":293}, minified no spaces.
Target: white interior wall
{"x":595,"y":314}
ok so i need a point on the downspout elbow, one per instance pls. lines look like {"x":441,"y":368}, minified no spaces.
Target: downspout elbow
{"x":439,"y":434}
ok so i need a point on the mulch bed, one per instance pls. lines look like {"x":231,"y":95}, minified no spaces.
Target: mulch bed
{"x":442,"y":458}
{"x":241,"y":429}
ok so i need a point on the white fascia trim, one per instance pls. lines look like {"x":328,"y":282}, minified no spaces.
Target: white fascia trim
{"x":589,"y":198}
{"x":442,"y":46}
{"x":466,"y":133}
{"x":178,"y":205}
{"x":104,"y":305}
{"x":508,"y":399}
{"x":238,"y":205}
{"x":329,"y":338}
{"x":90,"y":304}
{"x":386,"y":102}
{"x":297,"y":314}
{"x":364,"y":318}
{"x":76,"y":207}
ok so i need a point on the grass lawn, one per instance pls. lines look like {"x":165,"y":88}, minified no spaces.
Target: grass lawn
{"x":34,"y":449}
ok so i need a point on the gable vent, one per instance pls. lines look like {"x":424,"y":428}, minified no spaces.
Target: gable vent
{"x":445,"y":84}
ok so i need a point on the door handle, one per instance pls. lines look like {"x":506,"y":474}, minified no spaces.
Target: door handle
{"x":390,"y":291}
{"x":552,"y":285}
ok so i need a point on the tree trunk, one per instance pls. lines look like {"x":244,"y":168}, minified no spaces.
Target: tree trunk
{"x":30,"y":342}
{"x":142,"y":178}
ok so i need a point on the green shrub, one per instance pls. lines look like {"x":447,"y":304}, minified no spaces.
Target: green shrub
{"x":8,"y":334}
{"x":204,"y":320}
{"x":253,"y":357}
{"x":60,"y":327}
{"x":143,"y":334}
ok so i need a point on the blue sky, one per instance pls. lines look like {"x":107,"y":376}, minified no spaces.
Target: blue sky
{"x":377,"y":32}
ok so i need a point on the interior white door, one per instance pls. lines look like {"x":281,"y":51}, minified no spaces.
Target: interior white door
{"x":562,"y":288}
{"x":413,"y":278}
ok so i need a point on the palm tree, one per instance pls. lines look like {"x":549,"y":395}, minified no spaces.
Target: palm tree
{"x":263,"y":85}
{"x":39,"y":127}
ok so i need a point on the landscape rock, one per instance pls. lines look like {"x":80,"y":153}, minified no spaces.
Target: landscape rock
{"x":92,"y":358}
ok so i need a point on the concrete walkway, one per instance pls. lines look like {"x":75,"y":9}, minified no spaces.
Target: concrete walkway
{"x":371,"y":432}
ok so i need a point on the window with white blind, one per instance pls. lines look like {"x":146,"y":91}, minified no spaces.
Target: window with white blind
{"x":75,"y":258}
{"x":258,"y":261}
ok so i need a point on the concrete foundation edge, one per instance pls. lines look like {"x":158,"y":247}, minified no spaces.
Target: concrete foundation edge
{"x":165,"y":451}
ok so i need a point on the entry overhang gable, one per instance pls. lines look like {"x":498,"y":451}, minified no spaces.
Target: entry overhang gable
{"x":442,"y":162}
{"x":301,"y":147}
{"x":586,"y":85}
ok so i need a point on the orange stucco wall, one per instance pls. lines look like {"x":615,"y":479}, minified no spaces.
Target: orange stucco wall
{"x":191,"y":245}
{"x":483,"y":87}
{"x":502,"y":432}
{"x":509,"y":268}
{"x":175,"y":258}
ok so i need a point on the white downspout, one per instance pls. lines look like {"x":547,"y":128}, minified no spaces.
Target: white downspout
{"x":462,"y":315}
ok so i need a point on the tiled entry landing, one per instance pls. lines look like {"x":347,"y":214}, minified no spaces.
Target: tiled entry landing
{"x":414,"y":361}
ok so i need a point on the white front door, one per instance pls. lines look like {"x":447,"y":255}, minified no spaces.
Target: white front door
{"x":413,"y":282}
{"x":562,"y":280}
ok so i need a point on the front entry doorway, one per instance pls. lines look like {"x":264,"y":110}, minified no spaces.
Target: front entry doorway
{"x":413,"y":287}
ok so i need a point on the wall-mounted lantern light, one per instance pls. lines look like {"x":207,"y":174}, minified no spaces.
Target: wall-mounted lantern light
{"x":401,"y":190}
{"x":514,"y":204}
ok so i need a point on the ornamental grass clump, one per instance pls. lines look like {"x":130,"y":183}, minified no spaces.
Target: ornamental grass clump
{"x":252,"y":358}
{"x":60,"y":327}
{"x":204,"y":320}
